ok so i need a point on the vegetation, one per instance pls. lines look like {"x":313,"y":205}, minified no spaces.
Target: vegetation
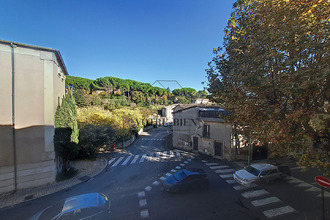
{"x":273,"y":75}
{"x":66,"y":131}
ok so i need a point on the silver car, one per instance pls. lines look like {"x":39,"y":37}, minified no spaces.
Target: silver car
{"x":263,"y":172}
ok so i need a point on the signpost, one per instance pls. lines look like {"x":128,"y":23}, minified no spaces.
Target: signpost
{"x":325,"y":183}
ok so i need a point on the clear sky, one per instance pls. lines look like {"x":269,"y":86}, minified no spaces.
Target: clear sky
{"x":142,"y":40}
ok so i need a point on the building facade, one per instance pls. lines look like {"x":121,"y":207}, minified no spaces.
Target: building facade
{"x":201,"y":129}
{"x":32,"y":84}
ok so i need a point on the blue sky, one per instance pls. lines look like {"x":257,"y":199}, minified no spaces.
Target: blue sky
{"x":142,"y":40}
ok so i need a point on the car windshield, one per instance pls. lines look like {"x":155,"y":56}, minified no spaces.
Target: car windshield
{"x":180,"y":175}
{"x":252,"y":170}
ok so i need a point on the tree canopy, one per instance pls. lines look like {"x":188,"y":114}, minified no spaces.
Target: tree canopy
{"x":273,"y":72}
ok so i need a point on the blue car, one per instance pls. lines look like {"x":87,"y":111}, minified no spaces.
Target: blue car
{"x":85,"y":206}
{"x":193,"y":178}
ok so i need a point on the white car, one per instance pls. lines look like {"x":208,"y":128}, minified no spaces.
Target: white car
{"x":260,"y":172}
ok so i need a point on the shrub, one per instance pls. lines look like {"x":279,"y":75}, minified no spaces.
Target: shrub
{"x":93,"y":137}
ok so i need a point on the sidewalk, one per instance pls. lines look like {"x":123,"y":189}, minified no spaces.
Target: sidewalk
{"x":86,"y":170}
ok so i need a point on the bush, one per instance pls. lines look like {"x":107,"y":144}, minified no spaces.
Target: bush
{"x":93,"y":137}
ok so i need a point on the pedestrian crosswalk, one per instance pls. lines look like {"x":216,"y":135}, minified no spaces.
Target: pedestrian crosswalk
{"x":133,"y":159}
{"x":257,"y":197}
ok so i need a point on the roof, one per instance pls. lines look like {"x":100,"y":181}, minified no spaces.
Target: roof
{"x":263,"y":166}
{"x":56,"y":52}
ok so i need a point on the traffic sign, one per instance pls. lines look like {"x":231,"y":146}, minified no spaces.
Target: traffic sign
{"x":322,"y":181}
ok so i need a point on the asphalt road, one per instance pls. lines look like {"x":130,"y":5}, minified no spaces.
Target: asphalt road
{"x":133,"y":180}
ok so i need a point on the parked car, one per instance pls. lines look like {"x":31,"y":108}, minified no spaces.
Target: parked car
{"x":85,"y":206}
{"x":166,"y":125}
{"x":184,"y":179}
{"x":263,"y":172}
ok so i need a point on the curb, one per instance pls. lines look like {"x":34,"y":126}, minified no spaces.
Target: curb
{"x":24,"y":195}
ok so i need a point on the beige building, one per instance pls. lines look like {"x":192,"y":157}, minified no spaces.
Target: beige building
{"x":32,"y":84}
{"x":201,"y":129}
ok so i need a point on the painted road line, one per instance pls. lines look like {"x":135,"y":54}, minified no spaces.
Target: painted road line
{"x":144,"y":213}
{"x":224,"y":176}
{"x":271,"y":213}
{"x":135,"y":159}
{"x":168,"y":174}
{"x":225,"y":171}
{"x":178,"y":167}
{"x":326,"y":194}
{"x":255,"y":193}
{"x":117,"y":162}
{"x":313,"y":189}
{"x":126,"y":161}
{"x":182,"y":165}
{"x":141,"y":194}
{"x":218,"y":167}
{"x":110,"y":161}
{"x":189,"y":160}
{"x":241,"y":187}
{"x":212,"y":164}
{"x":231,"y":181}
{"x":293,"y":180}
{"x":156,"y":183}
{"x":266,"y":201}
{"x":205,"y":161}
{"x":148,"y":188}
{"x":142,"y":202}
{"x":142,"y":158}
{"x":162,"y":178}
{"x":173,"y":170}
{"x":185,"y":162}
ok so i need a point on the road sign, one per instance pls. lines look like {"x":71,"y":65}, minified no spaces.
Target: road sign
{"x":322,"y":181}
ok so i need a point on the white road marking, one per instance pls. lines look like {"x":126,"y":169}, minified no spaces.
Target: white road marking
{"x":144,"y":213}
{"x":278,"y":211}
{"x":313,"y":189}
{"x":148,"y":188}
{"x":189,"y":160}
{"x":141,"y":194}
{"x":126,"y":161}
{"x":231,"y":181}
{"x":168,"y":174}
{"x":241,"y":187}
{"x":173,"y":171}
{"x":205,"y":161}
{"x":117,"y":162}
{"x":224,"y":176}
{"x":162,"y":178}
{"x":110,"y":161}
{"x":178,"y":167}
{"x":218,"y":167}
{"x":156,"y":183}
{"x":225,"y":171}
{"x":255,"y":193}
{"x":212,"y":164}
{"x":186,"y":162}
{"x":135,"y":159}
{"x":266,"y":201}
{"x":182,"y":164}
{"x":142,"y":202}
{"x":142,"y":158}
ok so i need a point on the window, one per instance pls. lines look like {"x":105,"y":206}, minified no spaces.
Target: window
{"x":206,"y":131}
{"x":181,"y":122}
{"x":184,"y":122}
